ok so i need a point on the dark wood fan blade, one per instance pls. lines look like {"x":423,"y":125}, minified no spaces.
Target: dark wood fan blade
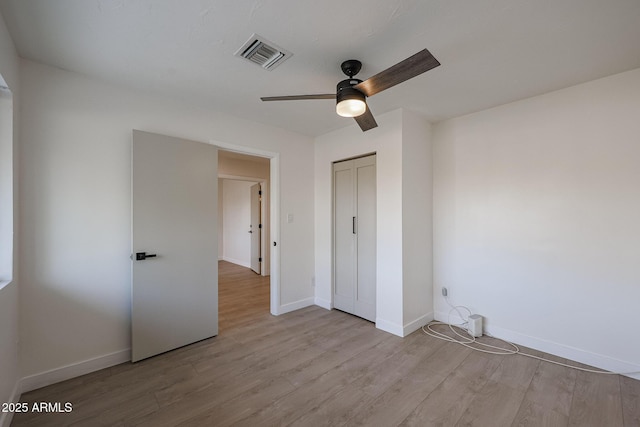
{"x":299,"y":97}
{"x":402,"y":71}
{"x":366,"y":120}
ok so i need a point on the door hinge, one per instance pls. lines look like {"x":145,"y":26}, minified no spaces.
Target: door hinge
{"x":259,"y":192}
{"x":259,"y":225}
{"x":259,"y":259}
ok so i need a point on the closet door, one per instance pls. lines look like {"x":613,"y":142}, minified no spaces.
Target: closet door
{"x":365,"y":227}
{"x":355,"y":237}
{"x":344,"y":238}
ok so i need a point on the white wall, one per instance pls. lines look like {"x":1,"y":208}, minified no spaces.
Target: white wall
{"x":244,"y":167}
{"x":417,"y":210}
{"x":75,"y":199}
{"x":236,"y":211}
{"x":387,"y":142}
{"x":536,"y":223}
{"x":9,"y":291}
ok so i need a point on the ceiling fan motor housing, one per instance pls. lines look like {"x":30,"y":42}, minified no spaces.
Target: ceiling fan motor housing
{"x":348,"y":84}
{"x":346,"y":92}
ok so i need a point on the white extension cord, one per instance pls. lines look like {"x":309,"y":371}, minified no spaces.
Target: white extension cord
{"x":471,"y":342}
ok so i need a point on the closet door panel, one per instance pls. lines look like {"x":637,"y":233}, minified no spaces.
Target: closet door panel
{"x":365,"y":296}
{"x":344,"y":239}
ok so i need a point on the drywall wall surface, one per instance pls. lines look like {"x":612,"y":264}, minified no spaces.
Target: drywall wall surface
{"x":417,"y":208}
{"x":75,"y":199}
{"x":244,"y":167}
{"x":386,"y":142}
{"x":9,"y":292}
{"x":536,"y":219}
{"x":9,"y":366}
{"x":237,"y":217}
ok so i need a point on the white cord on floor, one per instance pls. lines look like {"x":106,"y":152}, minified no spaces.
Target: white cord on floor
{"x":469,"y":341}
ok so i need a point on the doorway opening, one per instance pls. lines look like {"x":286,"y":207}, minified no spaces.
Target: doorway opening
{"x":245,"y":281}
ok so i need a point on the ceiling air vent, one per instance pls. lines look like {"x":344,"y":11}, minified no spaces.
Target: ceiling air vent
{"x":262,"y":52}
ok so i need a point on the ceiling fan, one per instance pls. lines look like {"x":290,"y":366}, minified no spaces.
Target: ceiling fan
{"x":351,"y":93}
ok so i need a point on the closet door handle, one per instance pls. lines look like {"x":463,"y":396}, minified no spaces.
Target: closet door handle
{"x":141,"y":256}
{"x":353,"y":225}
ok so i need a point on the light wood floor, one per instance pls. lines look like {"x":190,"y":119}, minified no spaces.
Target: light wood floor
{"x":243,"y":297}
{"x":316,"y":367}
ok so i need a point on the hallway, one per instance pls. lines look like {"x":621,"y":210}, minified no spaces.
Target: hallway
{"x":243,"y":296}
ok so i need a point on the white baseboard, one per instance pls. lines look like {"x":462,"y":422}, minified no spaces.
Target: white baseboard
{"x":320,"y":302}
{"x":417,"y":324}
{"x":293,"y":306}
{"x":403,"y":331}
{"x":448,"y":318}
{"x":237,"y":262}
{"x":392,"y":328}
{"x":43,"y":379}
{"x":7,"y":417}
{"x":600,"y":361}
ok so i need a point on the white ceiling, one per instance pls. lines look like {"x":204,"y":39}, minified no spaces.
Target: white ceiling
{"x":492,"y":51}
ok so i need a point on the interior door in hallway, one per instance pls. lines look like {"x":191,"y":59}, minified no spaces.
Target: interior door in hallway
{"x":256,"y":227}
{"x":354,"y":189}
{"x":174,"y":243}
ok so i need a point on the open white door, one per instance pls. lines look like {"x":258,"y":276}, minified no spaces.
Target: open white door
{"x":256,"y":227}
{"x":174,"y":222}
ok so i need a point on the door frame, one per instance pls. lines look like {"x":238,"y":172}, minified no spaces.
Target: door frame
{"x":274,"y":214}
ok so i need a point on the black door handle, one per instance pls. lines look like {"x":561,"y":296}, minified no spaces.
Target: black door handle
{"x":141,"y":256}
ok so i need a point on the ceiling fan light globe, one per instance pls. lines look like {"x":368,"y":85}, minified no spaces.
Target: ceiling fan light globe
{"x":351,"y":107}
